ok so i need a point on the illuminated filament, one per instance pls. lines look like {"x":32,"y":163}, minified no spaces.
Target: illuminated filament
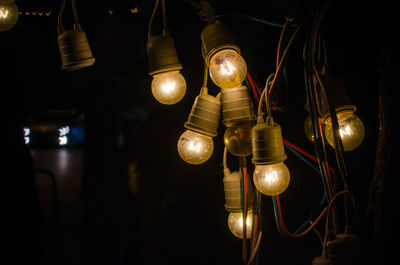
{"x":345,"y":131}
{"x":227,"y":68}
{"x":271,"y":177}
{"x":168,"y":87}
{"x":195,"y":146}
{"x":248,"y":221}
{"x":3,"y":13}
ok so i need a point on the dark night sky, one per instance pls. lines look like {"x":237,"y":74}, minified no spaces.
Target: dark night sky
{"x":189,"y":199}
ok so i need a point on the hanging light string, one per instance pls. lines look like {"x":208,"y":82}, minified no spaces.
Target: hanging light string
{"x":60,"y":14}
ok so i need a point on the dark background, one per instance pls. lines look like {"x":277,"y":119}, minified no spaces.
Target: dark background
{"x":176,"y":215}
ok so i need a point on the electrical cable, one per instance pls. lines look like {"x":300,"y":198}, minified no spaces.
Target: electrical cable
{"x":248,"y":80}
{"x":164,"y":13}
{"x":243,"y":167}
{"x":152,"y":18}
{"x":256,"y":248}
{"x":259,"y":112}
{"x":280,"y":43}
{"x":283,"y":226}
{"x":252,"y":18}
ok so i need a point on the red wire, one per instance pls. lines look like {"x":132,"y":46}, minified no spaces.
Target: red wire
{"x":249,"y":77}
{"x":330,"y":186}
{"x":308,"y":230}
{"x":310,"y":156}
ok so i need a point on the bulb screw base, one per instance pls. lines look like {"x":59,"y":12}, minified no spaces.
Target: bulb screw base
{"x":267,"y":143}
{"x":204,"y":116}
{"x":216,"y":37}
{"x":162,"y":55}
{"x":236,"y":106}
{"x":74,"y":49}
{"x":233,"y":192}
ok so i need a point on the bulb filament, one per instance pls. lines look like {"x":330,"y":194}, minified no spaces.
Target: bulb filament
{"x":227,"y":68}
{"x":168,"y":87}
{"x":345,"y":131}
{"x":195,"y":146}
{"x":3,"y":13}
{"x":271,"y":177}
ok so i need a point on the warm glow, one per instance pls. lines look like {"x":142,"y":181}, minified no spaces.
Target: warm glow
{"x":351,"y":130}
{"x":271,"y":179}
{"x":3,"y":13}
{"x":235,"y":224}
{"x":168,"y":88}
{"x":227,"y":69}
{"x":195,"y":148}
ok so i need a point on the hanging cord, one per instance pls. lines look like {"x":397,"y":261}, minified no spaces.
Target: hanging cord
{"x":283,"y":226}
{"x":263,"y":94}
{"x":282,"y":61}
{"x":204,"y":89}
{"x":331,"y":204}
{"x":60,"y":28}
{"x":164,"y":13}
{"x":243,"y":167}
{"x":208,"y":11}
{"x":255,"y":251}
{"x":280,"y":43}
{"x":150,"y":33}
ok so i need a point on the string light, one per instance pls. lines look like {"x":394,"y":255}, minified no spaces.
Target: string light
{"x":8,"y":14}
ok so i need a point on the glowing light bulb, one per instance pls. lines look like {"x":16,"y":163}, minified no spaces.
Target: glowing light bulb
{"x":195,"y":148}
{"x":168,"y":88}
{"x":235,"y":224}
{"x":8,"y":14}
{"x":351,"y":130}
{"x":272,"y":179}
{"x":237,"y":139}
{"x":227,"y":69}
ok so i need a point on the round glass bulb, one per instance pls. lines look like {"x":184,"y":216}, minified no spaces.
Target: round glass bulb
{"x":308,"y":130}
{"x":227,"y":69}
{"x":351,"y":130}
{"x":237,"y":139}
{"x":8,"y":15}
{"x":271,"y":179}
{"x":195,"y":148}
{"x":168,"y":88}
{"x":235,"y":224}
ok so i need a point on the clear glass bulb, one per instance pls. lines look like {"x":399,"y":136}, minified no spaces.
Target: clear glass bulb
{"x":227,"y":69}
{"x":8,"y":15}
{"x":271,"y":179}
{"x":351,"y":130}
{"x":237,"y":139}
{"x":195,"y":148}
{"x":235,"y":224}
{"x":168,"y":88}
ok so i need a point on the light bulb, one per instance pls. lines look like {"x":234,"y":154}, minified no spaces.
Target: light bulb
{"x":195,"y":148}
{"x":237,"y":139}
{"x":169,"y":87}
{"x":227,"y":69}
{"x":235,"y":224}
{"x":351,"y":130}
{"x":8,"y":14}
{"x":272,"y":179}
